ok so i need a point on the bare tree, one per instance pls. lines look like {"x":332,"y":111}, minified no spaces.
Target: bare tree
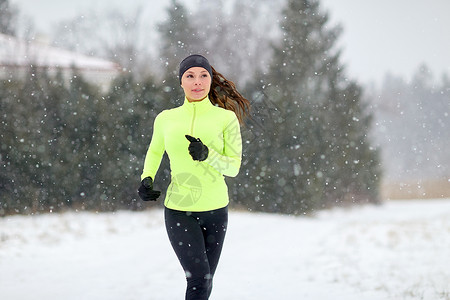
{"x":237,"y":38}
{"x":114,"y":35}
{"x":8,"y":18}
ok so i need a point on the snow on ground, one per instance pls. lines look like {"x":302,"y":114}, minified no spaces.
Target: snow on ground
{"x":399,"y":250}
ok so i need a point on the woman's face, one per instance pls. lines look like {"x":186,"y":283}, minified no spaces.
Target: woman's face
{"x":196,"y":83}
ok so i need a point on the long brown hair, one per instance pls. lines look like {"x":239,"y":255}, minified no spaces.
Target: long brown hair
{"x":223,"y":93}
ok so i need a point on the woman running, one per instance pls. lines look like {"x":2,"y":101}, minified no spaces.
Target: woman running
{"x":203,"y":142}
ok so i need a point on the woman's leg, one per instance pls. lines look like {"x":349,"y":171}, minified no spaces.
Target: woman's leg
{"x":187,"y":240}
{"x":197,"y":239}
{"x":214,"y":226}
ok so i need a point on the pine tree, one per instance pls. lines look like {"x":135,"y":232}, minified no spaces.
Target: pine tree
{"x":27,"y":151}
{"x":131,"y":107}
{"x":8,"y":141}
{"x":178,"y":41}
{"x":308,"y":145}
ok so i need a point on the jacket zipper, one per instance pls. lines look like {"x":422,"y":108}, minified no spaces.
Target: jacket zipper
{"x":192,"y":134}
{"x":192,"y":124}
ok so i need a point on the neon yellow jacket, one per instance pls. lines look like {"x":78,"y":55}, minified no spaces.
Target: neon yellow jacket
{"x":196,"y":185}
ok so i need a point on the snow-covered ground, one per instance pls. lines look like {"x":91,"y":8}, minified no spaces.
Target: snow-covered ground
{"x":399,"y":250}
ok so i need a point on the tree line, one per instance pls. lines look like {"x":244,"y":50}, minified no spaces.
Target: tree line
{"x":306,"y":146}
{"x":412,"y":121}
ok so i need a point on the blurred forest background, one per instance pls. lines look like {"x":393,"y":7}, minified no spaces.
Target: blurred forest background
{"x":317,"y":138}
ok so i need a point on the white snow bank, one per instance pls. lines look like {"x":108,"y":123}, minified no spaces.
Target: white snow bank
{"x":399,"y":250}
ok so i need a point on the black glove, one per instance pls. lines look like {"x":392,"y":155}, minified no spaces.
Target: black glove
{"x":197,"y":149}
{"x":146,"y":191}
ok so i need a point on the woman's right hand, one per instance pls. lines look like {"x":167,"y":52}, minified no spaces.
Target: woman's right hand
{"x":146,"y":192}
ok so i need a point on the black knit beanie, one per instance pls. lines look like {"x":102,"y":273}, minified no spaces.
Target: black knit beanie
{"x":195,"y":60}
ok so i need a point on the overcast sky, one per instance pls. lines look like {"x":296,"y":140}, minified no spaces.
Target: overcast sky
{"x":379,"y":35}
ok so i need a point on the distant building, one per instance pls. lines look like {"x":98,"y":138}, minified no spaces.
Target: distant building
{"x":16,"y":56}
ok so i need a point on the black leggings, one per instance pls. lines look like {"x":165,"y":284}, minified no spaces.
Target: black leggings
{"x":197,"y":238}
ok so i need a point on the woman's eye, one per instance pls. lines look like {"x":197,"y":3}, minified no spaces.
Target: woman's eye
{"x":189,"y":76}
{"x":204,"y":75}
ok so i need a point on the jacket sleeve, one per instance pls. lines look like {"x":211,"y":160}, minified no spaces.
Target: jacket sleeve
{"x":229,"y":161}
{"x":155,"y":150}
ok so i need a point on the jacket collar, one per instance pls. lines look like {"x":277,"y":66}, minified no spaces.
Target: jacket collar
{"x":199,"y":106}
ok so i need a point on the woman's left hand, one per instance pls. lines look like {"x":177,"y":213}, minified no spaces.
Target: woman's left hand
{"x":197,"y":149}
